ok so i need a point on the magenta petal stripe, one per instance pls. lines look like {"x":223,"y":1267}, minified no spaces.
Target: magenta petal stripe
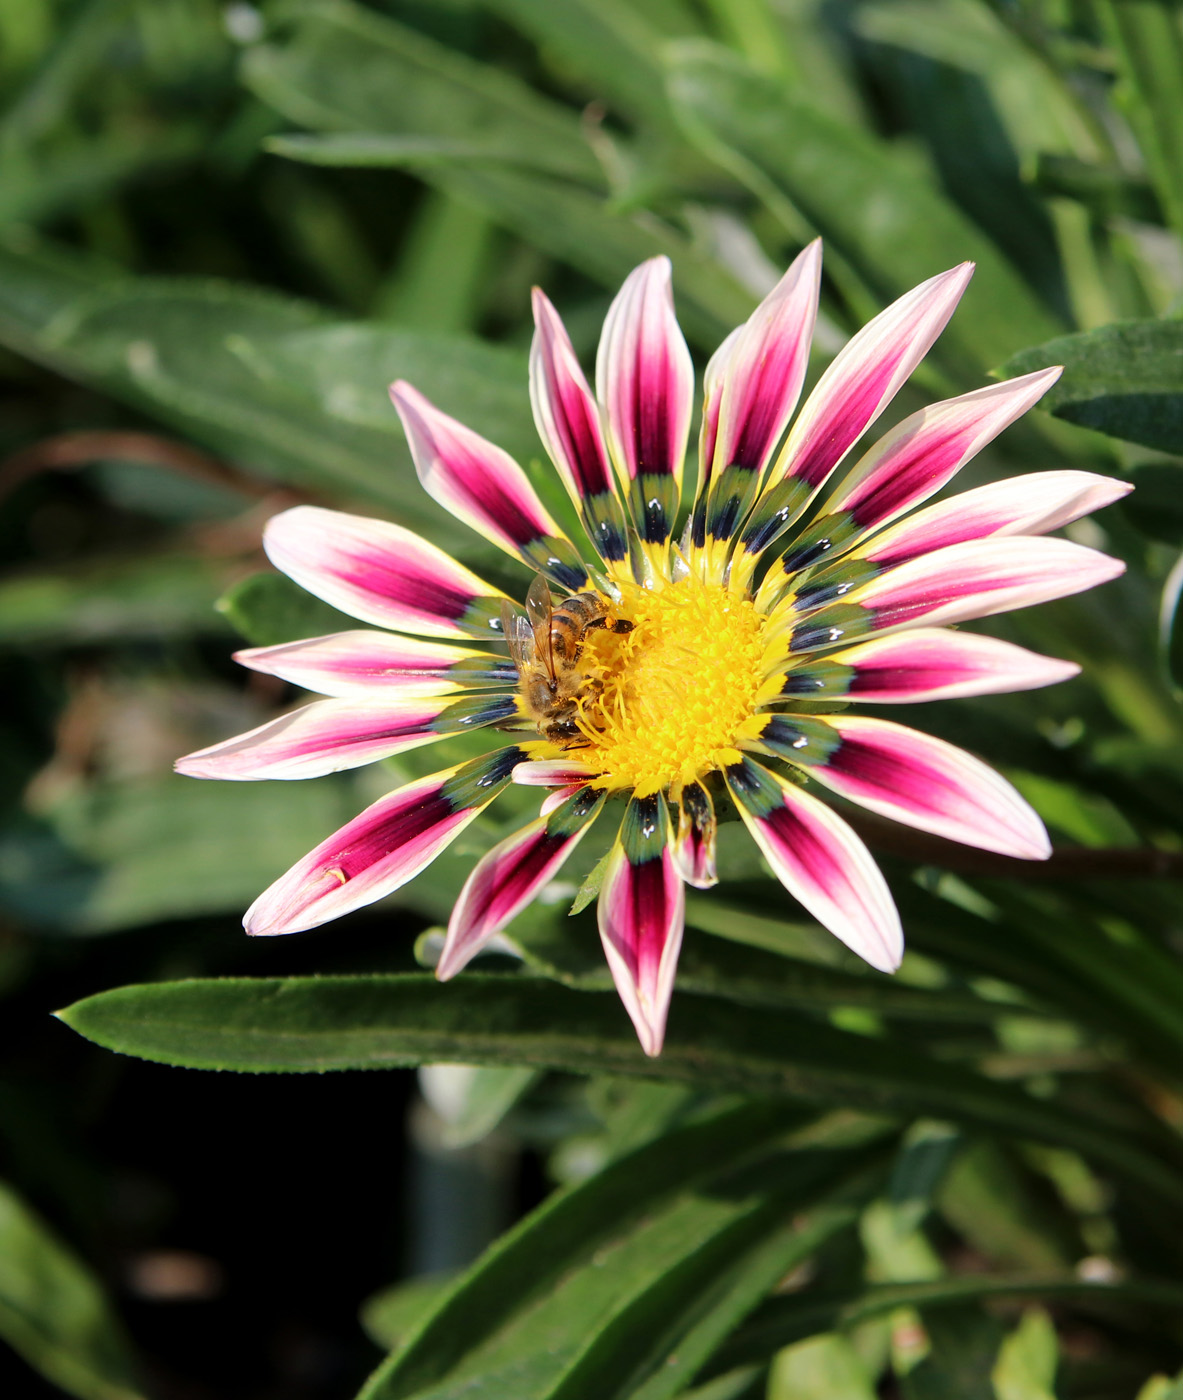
{"x":912,"y":778}
{"x":645,"y":381}
{"x":381,"y":573}
{"x":483,"y":486}
{"x":1028,"y":505}
{"x":762,"y":380}
{"x":964,"y":581}
{"x":327,"y":736}
{"x":368,"y":663}
{"x":641,"y":915}
{"x":854,"y":390}
{"x":820,"y":861}
{"x":330,"y":736}
{"x":925,"y":451}
{"x":568,"y":422}
{"x":865,"y":376}
{"x":383,"y":848}
{"x":913,"y":462}
{"x":930,"y":663}
{"x":509,"y":876}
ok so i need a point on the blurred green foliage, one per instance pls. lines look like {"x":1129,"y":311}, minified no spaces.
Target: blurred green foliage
{"x":224,"y":228}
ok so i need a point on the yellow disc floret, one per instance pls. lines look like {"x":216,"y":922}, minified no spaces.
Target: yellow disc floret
{"x":666,"y":698}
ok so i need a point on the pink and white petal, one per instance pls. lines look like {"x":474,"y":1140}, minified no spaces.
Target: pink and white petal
{"x":1025,"y":505}
{"x":381,"y":573}
{"x":713,"y":381}
{"x":364,"y":662}
{"x":865,"y":376}
{"x":380,"y":850}
{"x":645,"y":376}
{"x":766,"y":367}
{"x":555,"y":799}
{"x":929,"y":784}
{"x":925,"y":451}
{"x":980,"y":578}
{"x":327,"y":736}
{"x":641,"y":914}
{"x":565,"y":413}
{"x":696,"y":842}
{"x":481,"y":484}
{"x":552,"y":772}
{"x":508,"y":877}
{"x":930,"y":663}
{"x":821,"y":862}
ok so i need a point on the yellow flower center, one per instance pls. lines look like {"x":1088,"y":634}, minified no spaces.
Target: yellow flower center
{"x":674,"y":689}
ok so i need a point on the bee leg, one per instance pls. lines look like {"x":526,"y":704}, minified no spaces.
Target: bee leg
{"x":622,"y":625}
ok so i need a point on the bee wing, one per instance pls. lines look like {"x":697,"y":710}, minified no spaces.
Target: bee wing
{"x":540,"y":610}
{"x":519,"y":637}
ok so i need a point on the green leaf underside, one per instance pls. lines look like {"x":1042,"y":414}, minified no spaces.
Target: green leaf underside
{"x":1125,"y":380}
{"x":315,"y":1024}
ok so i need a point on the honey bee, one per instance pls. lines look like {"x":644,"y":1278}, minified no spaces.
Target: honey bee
{"x":545,"y":646}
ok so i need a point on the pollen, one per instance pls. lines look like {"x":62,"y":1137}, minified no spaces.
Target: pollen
{"x":667,"y":697}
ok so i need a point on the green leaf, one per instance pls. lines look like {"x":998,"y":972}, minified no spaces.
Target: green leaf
{"x":1146,"y":38}
{"x":653,"y":1259}
{"x":393,"y":1314}
{"x":54,"y":1313}
{"x":781,"y":1321}
{"x":346,"y":369}
{"x":1125,"y":380}
{"x":1029,"y":96}
{"x":345,"y":69}
{"x":1026,"y":1365}
{"x":39,"y":189}
{"x":269,"y":608}
{"x":871,"y":207}
{"x":315,"y":1024}
{"x":136,"y":852}
{"x":822,"y":1368}
{"x":112,"y":599}
{"x":1170,"y":626}
{"x":993,"y":1206}
{"x":607,"y":43}
{"x":263,"y":379}
{"x":478,"y":1098}
{"x":1106,"y":191}
{"x":380,"y":150}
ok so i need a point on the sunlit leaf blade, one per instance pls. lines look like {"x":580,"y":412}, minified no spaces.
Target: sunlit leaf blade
{"x":1148,"y":44}
{"x":343,"y":68}
{"x":266,"y":380}
{"x":54,"y":1313}
{"x":653,"y":1259}
{"x":608,"y":43}
{"x":878,"y":213}
{"x":1125,"y":380}
{"x":315,"y":1024}
{"x":826,"y":1367}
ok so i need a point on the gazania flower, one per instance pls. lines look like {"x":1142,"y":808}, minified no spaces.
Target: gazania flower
{"x":657,"y":676}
